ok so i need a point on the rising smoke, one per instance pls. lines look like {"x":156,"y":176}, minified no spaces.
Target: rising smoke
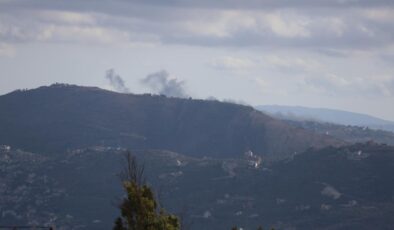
{"x":116,"y":82}
{"x":161,"y":83}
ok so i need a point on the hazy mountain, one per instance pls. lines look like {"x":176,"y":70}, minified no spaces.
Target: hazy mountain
{"x":327,"y":115}
{"x":59,"y":117}
{"x":348,"y":133}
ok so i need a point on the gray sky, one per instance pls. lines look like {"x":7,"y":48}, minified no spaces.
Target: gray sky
{"x":317,"y":53}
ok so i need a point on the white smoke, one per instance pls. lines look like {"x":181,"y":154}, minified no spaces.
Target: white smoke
{"x":161,"y":83}
{"x":116,"y":82}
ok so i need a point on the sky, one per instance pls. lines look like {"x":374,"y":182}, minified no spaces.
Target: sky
{"x":317,"y":53}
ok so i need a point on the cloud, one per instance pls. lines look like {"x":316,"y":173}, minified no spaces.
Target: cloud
{"x":161,"y":83}
{"x":330,"y":83}
{"x":124,"y":6}
{"x":381,"y":15}
{"x":295,"y":28}
{"x":292,"y":27}
{"x":291,"y":64}
{"x":6,"y":50}
{"x":67,"y":17}
{"x":343,"y":85}
{"x":231,"y":63}
{"x":314,"y":24}
{"x":58,"y":26}
{"x":384,"y":85}
{"x":116,"y":82}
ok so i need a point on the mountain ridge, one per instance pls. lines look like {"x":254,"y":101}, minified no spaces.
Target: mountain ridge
{"x":324,"y":114}
{"x":58,"y":117}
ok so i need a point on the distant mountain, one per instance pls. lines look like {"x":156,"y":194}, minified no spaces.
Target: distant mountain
{"x":60,"y":117}
{"x":342,"y":188}
{"x":327,"y":115}
{"x":348,"y":133}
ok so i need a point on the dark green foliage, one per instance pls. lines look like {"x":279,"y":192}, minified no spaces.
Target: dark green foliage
{"x":139,"y":209}
{"x":119,"y":224}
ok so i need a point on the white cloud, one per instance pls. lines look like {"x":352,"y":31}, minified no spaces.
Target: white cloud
{"x":6,"y":50}
{"x":342,"y":85}
{"x":82,"y":34}
{"x":380,"y":14}
{"x":291,"y":63}
{"x":218,"y":24}
{"x":291,"y":27}
{"x":231,"y":63}
{"x":228,"y":23}
{"x":57,"y":26}
{"x":383,"y":84}
{"x":66,"y":17}
{"x":328,"y":83}
{"x":336,"y":25}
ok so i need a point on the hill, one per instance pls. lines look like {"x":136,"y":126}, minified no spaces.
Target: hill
{"x":60,"y":117}
{"x":327,"y":115}
{"x":333,"y":188}
{"x":348,"y":133}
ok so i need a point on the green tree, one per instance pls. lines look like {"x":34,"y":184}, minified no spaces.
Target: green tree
{"x":139,"y":208}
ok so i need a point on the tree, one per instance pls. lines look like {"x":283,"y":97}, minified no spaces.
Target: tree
{"x":139,"y":208}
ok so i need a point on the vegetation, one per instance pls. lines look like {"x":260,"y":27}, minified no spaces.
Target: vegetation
{"x":56,"y":118}
{"x":139,"y":209}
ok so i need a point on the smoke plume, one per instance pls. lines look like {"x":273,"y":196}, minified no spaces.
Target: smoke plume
{"x":161,"y":83}
{"x":116,"y":82}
